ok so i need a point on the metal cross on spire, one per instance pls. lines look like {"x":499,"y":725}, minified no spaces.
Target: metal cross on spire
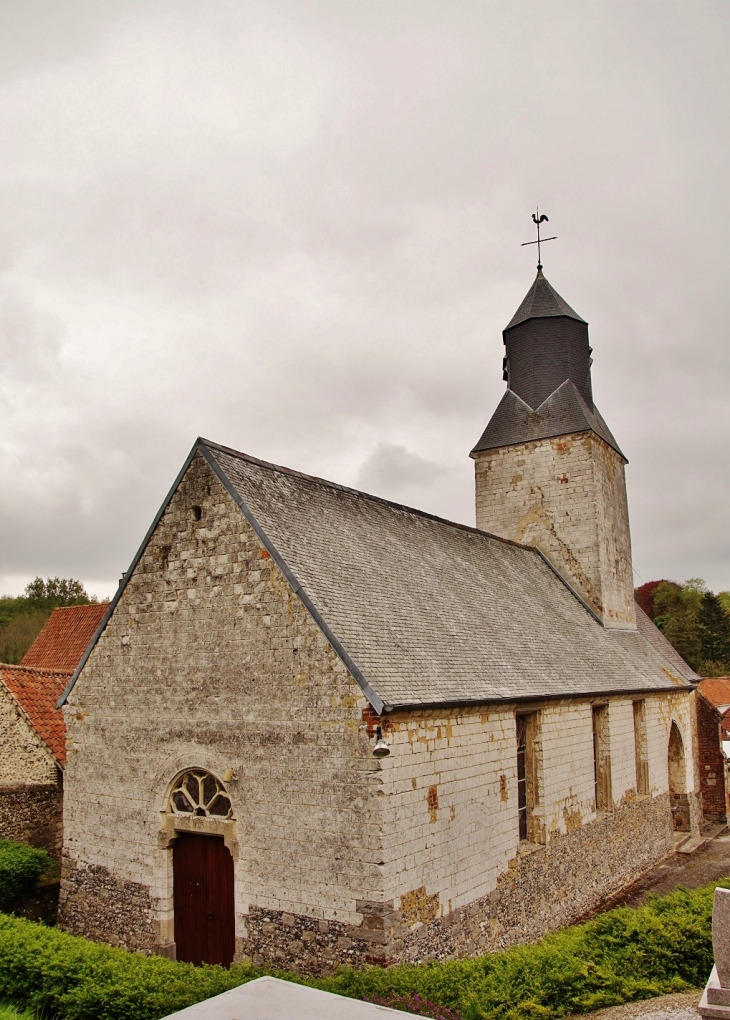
{"x":537,"y":219}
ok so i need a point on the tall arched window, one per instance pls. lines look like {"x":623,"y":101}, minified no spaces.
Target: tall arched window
{"x":199,"y":793}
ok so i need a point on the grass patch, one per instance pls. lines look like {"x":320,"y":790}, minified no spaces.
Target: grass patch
{"x":620,"y":956}
{"x":11,"y":1013}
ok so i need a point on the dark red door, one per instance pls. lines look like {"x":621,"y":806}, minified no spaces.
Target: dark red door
{"x":203,"y":897}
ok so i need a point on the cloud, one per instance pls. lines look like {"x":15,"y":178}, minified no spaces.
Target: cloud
{"x":396,"y":473}
{"x":294,"y":228}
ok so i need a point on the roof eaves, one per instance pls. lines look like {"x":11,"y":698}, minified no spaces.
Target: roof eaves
{"x":125,"y":578}
{"x":373,"y":697}
{"x":536,"y":697}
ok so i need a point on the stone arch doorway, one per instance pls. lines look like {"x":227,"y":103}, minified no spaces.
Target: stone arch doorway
{"x":202,"y":865}
{"x":677,"y":767}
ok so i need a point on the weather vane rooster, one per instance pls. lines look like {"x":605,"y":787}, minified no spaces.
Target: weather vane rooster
{"x":537,"y":219}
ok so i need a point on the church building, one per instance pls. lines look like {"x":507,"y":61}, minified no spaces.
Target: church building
{"x":317,"y":727}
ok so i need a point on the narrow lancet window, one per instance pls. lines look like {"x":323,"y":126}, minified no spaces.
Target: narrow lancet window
{"x":602,"y":759}
{"x":640,"y":748}
{"x":528,"y":728}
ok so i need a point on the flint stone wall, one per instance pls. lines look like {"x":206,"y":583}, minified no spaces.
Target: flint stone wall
{"x":33,"y":813}
{"x":101,"y":906}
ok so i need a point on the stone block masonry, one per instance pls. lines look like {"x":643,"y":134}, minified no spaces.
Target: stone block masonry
{"x":567,"y":495}
{"x":211,"y":662}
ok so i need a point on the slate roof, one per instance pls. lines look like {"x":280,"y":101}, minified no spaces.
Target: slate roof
{"x":654,"y":636}
{"x":716,"y":690}
{"x":430,"y":611}
{"x":563,"y":412}
{"x":65,"y":637}
{"x":541,"y":301}
{"x":423,"y":611}
{"x":35,"y":692}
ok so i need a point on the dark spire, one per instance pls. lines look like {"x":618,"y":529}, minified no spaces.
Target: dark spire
{"x":548,"y":371}
{"x":541,"y":302}
{"x":546,"y":343}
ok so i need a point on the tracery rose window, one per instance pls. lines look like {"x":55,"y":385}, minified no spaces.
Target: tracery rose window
{"x":197,"y":792}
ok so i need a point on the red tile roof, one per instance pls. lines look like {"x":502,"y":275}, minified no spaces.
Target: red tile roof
{"x":36,"y":692}
{"x":716,"y":690}
{"x":65,"y":637}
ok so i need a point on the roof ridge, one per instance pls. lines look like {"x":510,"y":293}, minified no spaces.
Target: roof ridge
{"x":81,"y":605}
{"x":359,"y":492}
{"x":35,"y":669}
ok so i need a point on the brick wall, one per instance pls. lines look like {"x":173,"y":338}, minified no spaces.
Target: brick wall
{"x":568,"y":496}
{"x":712,"y":762}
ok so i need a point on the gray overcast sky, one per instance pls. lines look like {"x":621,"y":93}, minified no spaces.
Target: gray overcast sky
{"x":294,"y":228}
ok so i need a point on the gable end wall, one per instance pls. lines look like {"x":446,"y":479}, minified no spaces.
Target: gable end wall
{"x":210,"y":660}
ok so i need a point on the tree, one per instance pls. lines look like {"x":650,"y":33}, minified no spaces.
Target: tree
{"x":677,"y":613}
{"x":693,"y":619}
{"x":713,"y":625}
{"x":22,"y":618}
{"x":56,"y":591}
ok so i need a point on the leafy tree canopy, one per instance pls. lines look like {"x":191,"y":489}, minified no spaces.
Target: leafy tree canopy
{"x":22,"y":618}
{"x":57,"y":591}
{"x":693,"y":619}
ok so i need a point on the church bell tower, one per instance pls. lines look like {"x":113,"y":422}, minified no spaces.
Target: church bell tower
{"x":548,"y":471}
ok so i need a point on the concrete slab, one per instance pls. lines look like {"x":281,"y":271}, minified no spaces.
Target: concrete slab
{"x":269,"y":998}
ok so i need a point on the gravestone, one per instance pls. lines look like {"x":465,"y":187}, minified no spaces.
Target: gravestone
{"x":715,"y":1001}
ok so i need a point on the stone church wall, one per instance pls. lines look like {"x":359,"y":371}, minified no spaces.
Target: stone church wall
{"x":460,"y":881}
{"x":457,"y":879}
{"x":568,"y":496}
{"x":211,"y":661}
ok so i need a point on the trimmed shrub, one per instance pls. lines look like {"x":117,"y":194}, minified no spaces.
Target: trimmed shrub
{"x":620,"y":956}
{"x":20,"y":868}
{"x":56,"y":974}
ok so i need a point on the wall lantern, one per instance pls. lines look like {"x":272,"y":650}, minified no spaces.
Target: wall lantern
{"x":381,"y":749}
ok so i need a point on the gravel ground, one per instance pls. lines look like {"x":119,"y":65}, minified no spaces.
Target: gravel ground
{"x":681,"y":1006}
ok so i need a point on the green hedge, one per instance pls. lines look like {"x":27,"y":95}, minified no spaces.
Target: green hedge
{"x":622,"y":955}
{"x":20,"y":868}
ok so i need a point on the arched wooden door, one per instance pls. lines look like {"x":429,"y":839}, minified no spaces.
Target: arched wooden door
{"x":203,"y":899}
